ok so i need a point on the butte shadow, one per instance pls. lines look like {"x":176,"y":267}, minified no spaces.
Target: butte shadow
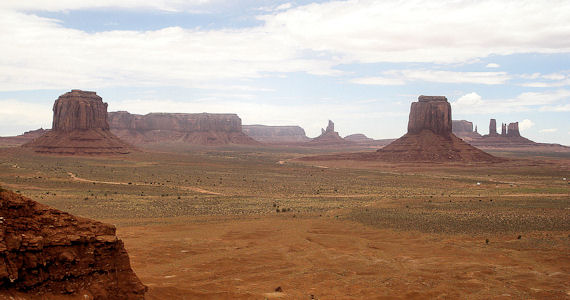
{"x":429,"y":139}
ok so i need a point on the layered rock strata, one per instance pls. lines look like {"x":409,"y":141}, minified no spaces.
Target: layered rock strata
{"x":45,"y":252}
{"x":276,"y":134}
{"x":201,"y":129}
{"x":79,"y":127}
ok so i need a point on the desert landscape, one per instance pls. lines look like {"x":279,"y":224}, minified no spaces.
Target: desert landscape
{"x":274,"y":149}
{"x":427,"y":216}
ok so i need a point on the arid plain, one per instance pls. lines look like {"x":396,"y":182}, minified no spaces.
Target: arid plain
{"x":256,"y":222}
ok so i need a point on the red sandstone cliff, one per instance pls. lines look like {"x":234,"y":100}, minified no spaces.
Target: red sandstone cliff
{"x":79,"y":127}
{"x":201,"y":129}
{"x":276,"y":134}
{"x":45,"y":252}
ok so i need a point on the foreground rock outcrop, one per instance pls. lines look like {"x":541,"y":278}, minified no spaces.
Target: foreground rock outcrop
{"x":329,"y":137}
{"x":45,"y":252}
{"x":200,"y":129}
{"x":79,"y":127}
{"x":276,"y":134}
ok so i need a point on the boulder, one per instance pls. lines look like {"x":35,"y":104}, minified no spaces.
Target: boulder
{"x":46,"y":253}
{"x":79,"y":127}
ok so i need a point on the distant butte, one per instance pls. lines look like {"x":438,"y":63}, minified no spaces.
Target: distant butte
{"x":79,"y":127}
{"x":276,"y":134}
{"x":429,"y":139}
{"x":430,"y":136}
{"x":329,"y":137}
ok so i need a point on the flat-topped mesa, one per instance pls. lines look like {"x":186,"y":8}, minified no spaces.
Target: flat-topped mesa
{"x":275,"y":134}
{"x":461,"y":126}
{"x":423,"y":98}
{"x":431,"y":113}
{"x":513,"y":130}
{"x":187,"y":128}
{"x":183,"y":122}
{"x":79,"y":110}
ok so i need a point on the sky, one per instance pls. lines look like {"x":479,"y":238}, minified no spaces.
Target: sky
{"x":359,"y":63}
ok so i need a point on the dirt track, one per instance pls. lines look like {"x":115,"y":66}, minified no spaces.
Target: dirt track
{"x":333,"y":259}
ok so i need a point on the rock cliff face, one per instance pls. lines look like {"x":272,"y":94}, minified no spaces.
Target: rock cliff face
{"x":329,"y":137}
{"x":493,"y":127}
{"x":276,"y":134}
{"x":45,"y":252}
{"x":79,"y":110}
{"x":513,"y":130}
{"x":460,"y":126}
{"x":429,"y":136}
{"x":202,"y":129}
{"x":464,"y":130}
{"x":432,"y":113}
{"x":79,"y":127}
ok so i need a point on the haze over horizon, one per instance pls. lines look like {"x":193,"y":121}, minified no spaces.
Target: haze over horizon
{"x":358,"y":63}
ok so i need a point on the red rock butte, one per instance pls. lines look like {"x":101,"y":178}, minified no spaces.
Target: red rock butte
{"x":329,"y":137}
{"x":430,"y":137}
{"x":79,"y":127}
{"x":48,"y":253}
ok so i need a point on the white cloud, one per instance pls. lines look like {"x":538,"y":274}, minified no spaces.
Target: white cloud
{"x":472,"y":103}
{"x":378,"y":81}
{"x":67,"y":5}
{"x":41,"y":53}
{"x":492,"y":65}
{"x":556,"y":108}
{"x":547,"y":80}
{"x":525,"y":124}
{"x":548,"y":130}
{"x":400,"y":77}
{"x":451,"y":31}
{"x":18,"y":116}
{"x":469,"y":100}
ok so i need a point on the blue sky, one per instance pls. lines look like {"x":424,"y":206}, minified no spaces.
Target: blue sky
{"x":359,"y":63}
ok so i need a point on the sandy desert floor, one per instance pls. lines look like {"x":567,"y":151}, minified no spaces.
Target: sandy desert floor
{"x":244,"y":223}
